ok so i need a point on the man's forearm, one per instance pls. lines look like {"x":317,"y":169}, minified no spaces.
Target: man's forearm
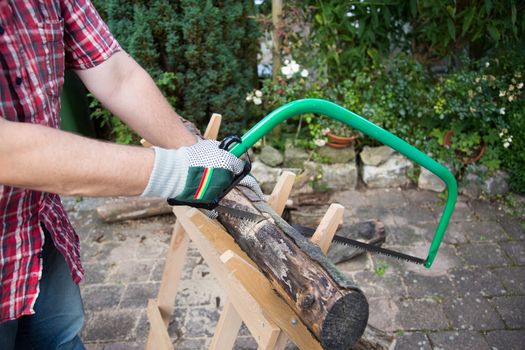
{"x":41,"y":158}
{"x":129,"y":92}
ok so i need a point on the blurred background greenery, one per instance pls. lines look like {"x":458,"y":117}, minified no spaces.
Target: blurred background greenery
{"x":447,"y":76}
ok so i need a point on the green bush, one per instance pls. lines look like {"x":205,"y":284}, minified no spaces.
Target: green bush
{"x":210,"y":47}
{"x":346,"y":36}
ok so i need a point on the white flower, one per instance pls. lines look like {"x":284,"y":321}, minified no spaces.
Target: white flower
{"x":257,"y":100}
{"x":320,"y":142}
{"x":502,"y":93}
{"x":511,"y":98}
{"x":520,"y":85}
{"x":502,"y":111}
{"x":304,"y":73}
{"x":511,"y":87}
{"x":249,"y":97}
{"x":326,"y":131}
{"x":487,"y":64}
{"x":258,"y":93}
{"x":286,"y":62}
{"x":294,"y":66}
{"x":287,"y":71}
{"x":507,"y":140}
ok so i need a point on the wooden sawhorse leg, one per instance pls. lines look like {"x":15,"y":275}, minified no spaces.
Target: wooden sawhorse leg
{"x":224,"y":337}
{"x":162,"y":307}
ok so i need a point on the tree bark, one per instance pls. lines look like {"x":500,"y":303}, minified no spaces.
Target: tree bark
{"x":277,"y":20}
{"x":332,"y":307}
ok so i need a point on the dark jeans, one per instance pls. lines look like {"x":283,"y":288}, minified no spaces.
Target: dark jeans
{"x":59,"y":313}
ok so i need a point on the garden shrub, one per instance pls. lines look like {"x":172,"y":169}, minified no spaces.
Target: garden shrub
{"x":345,"y":36}
{"x":210,"y":48}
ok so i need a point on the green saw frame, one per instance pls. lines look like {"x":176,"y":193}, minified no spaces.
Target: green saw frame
{"x":334,"y":111}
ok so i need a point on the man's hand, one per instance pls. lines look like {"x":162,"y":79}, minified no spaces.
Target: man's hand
{"x":194,"y":174}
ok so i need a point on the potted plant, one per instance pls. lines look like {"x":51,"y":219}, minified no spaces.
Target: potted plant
{"x":339,"y":135}
{"x":468,"y":147}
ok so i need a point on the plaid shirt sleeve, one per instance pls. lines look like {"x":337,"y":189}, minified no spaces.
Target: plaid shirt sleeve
{"x":87,"y":38}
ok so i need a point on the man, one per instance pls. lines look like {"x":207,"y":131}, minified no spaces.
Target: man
{"x":40,"y":305}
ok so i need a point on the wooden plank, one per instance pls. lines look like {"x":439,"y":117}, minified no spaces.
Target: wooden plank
{"x":145,"y":143}
{"x":329,"y":223}
{"x":211,"y":240}
{"x":175,"y":260}
{"x":159,"y":338}
{"x":281,"y":342}
{"x":212,"y":131}
{"x":274,"y":307}
{"x":281,"y":192}
{"x":227,"y":328}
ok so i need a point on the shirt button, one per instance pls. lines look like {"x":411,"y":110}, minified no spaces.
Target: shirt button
{"x":18,"y":80}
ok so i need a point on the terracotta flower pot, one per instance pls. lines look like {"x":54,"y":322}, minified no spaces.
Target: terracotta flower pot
{"x":470,"y":158}
{"x":336,"y":141}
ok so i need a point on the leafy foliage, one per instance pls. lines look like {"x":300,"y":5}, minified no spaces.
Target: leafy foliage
{"x":349,"y":35}
{"x":209,"y":47}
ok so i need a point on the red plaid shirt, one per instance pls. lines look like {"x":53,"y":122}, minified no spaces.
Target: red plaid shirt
{"x":38,"y":39}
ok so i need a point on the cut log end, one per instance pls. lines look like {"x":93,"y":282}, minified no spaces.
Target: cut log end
{"x":345,"y":323}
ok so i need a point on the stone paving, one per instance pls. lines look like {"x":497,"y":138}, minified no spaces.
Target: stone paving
{"x":473,"y":297}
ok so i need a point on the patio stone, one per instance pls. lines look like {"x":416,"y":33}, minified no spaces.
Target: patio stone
{"x":102,"y":297}
{"x":472,"y":313}
{"x":506,"y":340}
{"x":513,"y":278}
{"x":483,"y":254}
{"x":458,"y":340}
{"x":106,"y":326}
{"x":476,"y":282}
{"x":516,"y":251}
{"x":416,"y":341}
{"x":511,"y":310}
{"x":421,"y":314}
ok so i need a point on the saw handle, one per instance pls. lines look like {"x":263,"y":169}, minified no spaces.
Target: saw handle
{"x":349,"y":118}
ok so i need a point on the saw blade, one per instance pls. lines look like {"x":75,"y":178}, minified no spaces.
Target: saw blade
{"x":308,"y":232}
{"x":379,"y":250}
{"x":238,"y":213}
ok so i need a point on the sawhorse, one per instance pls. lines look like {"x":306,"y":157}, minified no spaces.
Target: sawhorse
{"x":250,"y":297}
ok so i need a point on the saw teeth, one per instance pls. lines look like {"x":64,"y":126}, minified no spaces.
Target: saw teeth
{"x":387,"y":253}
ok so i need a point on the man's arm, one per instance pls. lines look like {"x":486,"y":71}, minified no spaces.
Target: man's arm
{"x":45,"y":159}
{"x":128,"y":91}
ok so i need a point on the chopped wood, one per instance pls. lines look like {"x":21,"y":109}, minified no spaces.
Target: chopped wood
{"x":133,"y":208}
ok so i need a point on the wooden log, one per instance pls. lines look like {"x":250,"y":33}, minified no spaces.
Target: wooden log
{"x":375,"y":339}
{"x":332,"y":307}
{"x":133,"y":208}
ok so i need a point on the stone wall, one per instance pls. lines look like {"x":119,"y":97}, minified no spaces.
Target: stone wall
{"x":373,"y":167}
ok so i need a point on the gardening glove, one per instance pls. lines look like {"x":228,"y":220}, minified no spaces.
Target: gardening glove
{"x":194,"y":174}
{"x":248,"y":181}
